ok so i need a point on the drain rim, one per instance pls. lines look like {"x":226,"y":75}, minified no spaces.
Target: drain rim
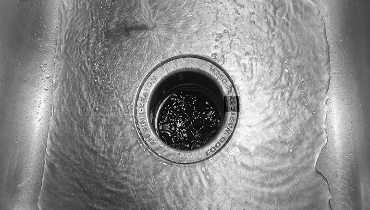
{"x":147,"y":87}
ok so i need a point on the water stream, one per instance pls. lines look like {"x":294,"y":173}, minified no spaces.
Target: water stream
{"x":147,"y":13}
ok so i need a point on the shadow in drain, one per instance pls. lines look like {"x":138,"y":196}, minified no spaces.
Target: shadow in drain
{"x":187,"y":120}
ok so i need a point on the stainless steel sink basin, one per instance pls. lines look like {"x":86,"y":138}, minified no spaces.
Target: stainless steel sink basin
{"x":42,"y":162}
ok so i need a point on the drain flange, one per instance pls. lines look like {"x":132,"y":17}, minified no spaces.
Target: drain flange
{"x":186,"y":109}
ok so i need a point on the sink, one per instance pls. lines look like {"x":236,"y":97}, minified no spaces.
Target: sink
{"x":73,"y":139}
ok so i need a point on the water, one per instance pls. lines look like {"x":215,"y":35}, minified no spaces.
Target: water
{"x":276,"y":53}
{"x":147,"y":13}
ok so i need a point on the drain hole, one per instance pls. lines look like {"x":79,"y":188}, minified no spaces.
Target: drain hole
{"x":185,"y":109}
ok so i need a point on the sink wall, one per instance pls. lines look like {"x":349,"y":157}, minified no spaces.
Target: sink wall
{"x":345,"y":159}
{"x":26,"y":62}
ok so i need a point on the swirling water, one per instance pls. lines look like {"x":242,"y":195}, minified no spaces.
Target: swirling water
{"x":276,"y":53}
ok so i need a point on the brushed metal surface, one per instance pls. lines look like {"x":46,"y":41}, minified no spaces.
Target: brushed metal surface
{"x":26,"y":62}
{"x":345,"y":159}
{"x":26,"y":66}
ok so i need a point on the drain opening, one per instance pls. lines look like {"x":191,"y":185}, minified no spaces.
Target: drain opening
{"x":186,"y":109}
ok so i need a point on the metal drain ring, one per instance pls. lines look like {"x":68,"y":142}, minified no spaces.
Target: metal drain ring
{"x":144,"y":95}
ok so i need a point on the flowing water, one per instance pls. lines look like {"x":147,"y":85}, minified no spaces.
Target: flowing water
{"x":277,"y":55}
{"x":147,"y":13}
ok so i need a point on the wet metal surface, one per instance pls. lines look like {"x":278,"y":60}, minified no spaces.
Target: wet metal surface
{"x":26,"y":67}
{"x":345,"y":159}
{"x":27,"y":43}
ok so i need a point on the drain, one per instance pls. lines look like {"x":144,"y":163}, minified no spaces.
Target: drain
{"x":186,"y":109}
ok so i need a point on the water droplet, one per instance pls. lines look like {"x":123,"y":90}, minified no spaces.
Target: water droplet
{"x":214,"y":56}
{"x":218,"y":37}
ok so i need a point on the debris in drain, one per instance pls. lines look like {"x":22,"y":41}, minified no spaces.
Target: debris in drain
{"x":188,"y":120}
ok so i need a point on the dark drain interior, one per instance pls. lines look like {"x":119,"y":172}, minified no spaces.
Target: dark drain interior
{"x":186,"y":109}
